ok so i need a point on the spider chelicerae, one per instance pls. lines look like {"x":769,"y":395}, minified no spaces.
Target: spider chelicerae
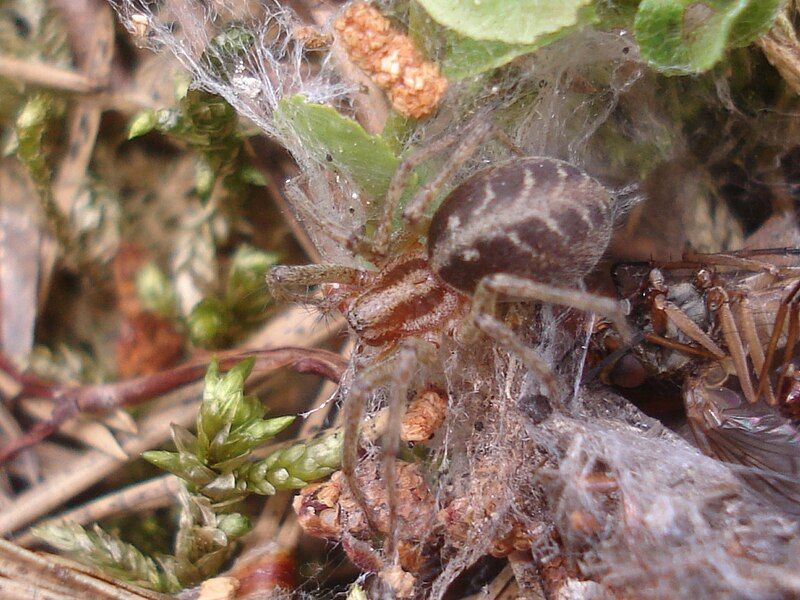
{"x":529,"y":228}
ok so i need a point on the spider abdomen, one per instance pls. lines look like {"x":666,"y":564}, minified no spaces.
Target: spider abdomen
{"x":538,"y":218}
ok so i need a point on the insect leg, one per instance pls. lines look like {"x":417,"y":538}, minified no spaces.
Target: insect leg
{"x":791,"y":342}
{"x":777,"y":330}
{"x":744,"y":315}
{"x":689,"y":327}
{"x":733,"y":340}
{"x":730,"y":260}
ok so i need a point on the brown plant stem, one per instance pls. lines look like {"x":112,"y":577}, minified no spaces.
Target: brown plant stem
{"x":24,"y":574}
{"x":101,"y":398}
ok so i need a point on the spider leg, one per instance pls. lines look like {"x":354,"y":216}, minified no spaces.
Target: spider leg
{"x":380,"y":242}
{"x":469,"y":143}
{"x":353,"y":408}
{"x":291,"y":282}
{"x":526,"y":289}
{"x":397,"y":371}
{"x":476,"y":133}
{"x":482,"y":317}
{"x":401,"y":379}
{"x":505,"y":336}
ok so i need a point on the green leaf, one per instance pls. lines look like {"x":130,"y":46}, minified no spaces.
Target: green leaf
{"x":98,"y":548}
{"x":142,"y":123}
{"x":331,"y":137}
{"x":234,"y":525}
{"x":616,"y":15}
{"x":185,"y":466}
{"x":154,"y":290}
{"x":222,"y":396}
{"x":209,"y":323}
{"x":31,"y":127}
{"x":356,"y":593}
{"x":680,"y":37}
{"x":509,"y":21}
{"x":253,"y":175}
{"x":293,"y":467}
{"x":260,"y":431}
{"x":465,"y":57}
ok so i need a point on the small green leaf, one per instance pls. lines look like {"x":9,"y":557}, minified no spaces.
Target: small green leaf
{"x":31,"y":127}
{"x":234,"y":525}
{"x":222,"y":397}
{"x":154,"y":290}
{"x":185,"y":466}
{"x":253,"y":175}
{"x":209,"y":322}
{"x":260,"y":431}
{"x":680,"y":37}
{"x":356,"y":593}
{"x":753,"y":21}
{"x":508,"y":21}
{"x":142,"y":123}
{"x":465,"y":57}
{"x":98,"y":548}
{"x":184,"y":440}
{"x":331,"y":137}
{"x":293,"y":467}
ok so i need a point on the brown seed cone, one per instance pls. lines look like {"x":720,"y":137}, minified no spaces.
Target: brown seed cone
{"x":389,"y":57}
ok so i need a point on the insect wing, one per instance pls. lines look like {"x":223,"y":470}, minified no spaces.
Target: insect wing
{"x":756,"y":436}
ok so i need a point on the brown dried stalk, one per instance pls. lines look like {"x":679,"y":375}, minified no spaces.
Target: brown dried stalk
{"x":148,"y":495}
{"x":294,"y":326}
{"x":24,"y":574}
{"x":102,"y":398}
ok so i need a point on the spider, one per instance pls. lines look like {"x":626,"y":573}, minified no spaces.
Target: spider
{"x":529,"y":228}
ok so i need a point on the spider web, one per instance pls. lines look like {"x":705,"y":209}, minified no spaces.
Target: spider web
{"x":668,"y":530}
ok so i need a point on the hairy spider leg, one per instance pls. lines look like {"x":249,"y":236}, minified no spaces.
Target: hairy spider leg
{"x":291,"y":282}
{"x":485,"y":300}
{"x":469,"y":141}
{"x":398,"y":372}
